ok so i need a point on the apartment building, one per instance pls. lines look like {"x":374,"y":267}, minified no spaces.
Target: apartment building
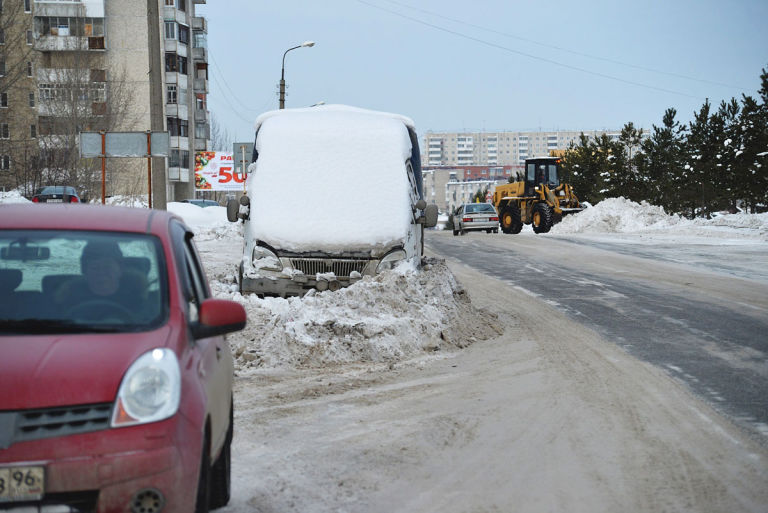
{"x":18,"y":91}
{"x":116,"y":65}
{"x":497,"y":148}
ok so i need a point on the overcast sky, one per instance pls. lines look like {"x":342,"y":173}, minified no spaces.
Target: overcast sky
{"x":485,"y":64}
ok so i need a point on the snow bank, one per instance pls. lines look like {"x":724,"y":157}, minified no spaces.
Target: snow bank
{"x":616,"y":215}
{"x":330,"y":178}
{"x":620,"y":215}
{"x":13,"y":197}
{"x":396,"y":315}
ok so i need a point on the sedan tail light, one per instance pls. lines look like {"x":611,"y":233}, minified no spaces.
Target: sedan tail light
{"x":35,"y":199}
{"x":466,"y":219}
{"x":494,"y":219}
{"x":73,"y":199}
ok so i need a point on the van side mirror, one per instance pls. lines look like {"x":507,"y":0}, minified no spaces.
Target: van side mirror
{"x":421,"y":204}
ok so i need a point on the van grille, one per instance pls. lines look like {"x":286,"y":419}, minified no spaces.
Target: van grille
{"x":53,"y":422}
{"x":341,"y":268}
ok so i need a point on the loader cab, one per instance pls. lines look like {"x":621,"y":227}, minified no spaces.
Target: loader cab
{"x":541,"y":171}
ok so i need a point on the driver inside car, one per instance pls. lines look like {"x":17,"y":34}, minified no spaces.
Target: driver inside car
{"x":106,"y":290}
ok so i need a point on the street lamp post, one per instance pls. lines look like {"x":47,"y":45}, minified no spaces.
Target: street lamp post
{"x":307,"y":44}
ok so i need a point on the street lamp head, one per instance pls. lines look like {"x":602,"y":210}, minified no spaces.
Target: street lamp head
{"x":308,"y":43}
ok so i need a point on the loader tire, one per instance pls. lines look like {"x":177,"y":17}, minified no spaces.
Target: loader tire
{"x":510,"y":219}
{"x":542,"y":218}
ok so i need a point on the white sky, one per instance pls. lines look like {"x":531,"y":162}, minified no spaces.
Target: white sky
{"x":506,"y":66}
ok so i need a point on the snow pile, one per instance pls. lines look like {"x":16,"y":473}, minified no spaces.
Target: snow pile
{"x":618,"y":215}
{"x":13,"y":197}
{"x":139,"y":201}
{"x":330,"y":178}
{"x":387,"y":318}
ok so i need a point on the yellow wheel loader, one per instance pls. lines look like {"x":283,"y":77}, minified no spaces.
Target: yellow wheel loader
{"x":539,"y":199}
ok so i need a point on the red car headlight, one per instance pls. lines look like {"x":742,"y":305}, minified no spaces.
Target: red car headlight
{"x":150,"y":390}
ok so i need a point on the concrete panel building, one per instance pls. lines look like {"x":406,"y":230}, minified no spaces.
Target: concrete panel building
{"x":119,"y":65}
{"x":497,"y":148}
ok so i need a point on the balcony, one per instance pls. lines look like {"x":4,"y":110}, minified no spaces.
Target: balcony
{"x":171,"y":13}
{"x":68,"y":43}
{"x":177,"y":110}
{"x":200,"y":54}
{"x":173,"y":46}
{"x":201,"y":144}
{"x":181,"y":143}
{"x":199,"y":1}
{"x":200,"y":85}
{"x":201,"y":115}
{"x":199,"y":23}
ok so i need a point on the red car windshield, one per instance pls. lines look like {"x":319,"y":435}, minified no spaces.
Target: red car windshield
{"x":79,"y":281}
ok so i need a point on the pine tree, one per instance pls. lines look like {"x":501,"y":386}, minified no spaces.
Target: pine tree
{"x":662,"y":162}
{"x":579,"y":170}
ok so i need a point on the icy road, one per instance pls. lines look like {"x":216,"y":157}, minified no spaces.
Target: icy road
{"x":461,"y":389}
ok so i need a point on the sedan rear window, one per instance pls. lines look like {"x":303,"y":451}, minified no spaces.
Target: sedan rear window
{"x":80,"y":281}
{"x":474,"y":208}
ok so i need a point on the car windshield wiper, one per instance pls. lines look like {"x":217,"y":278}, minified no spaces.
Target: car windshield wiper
{"x":36,"y":326}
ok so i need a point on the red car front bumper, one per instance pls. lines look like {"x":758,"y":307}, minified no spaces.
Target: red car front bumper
{"x":114,"y":466}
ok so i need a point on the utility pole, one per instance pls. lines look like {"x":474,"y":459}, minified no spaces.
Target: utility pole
{"x":159,"y":185}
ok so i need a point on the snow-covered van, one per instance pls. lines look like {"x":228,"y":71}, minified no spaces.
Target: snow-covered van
{"x":334,"y":193}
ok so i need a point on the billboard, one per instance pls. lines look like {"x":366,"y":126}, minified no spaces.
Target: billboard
{"x":214,"y":171}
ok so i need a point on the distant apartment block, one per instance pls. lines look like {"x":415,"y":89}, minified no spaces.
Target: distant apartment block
{"x":503,"y":149}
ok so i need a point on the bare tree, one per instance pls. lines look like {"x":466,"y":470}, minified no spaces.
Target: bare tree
{"x":221,"y":139}
{"x":76,"y":94}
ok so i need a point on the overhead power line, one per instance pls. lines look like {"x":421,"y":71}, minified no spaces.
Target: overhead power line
{"x":524,"y":54}
{"x":568,"y":50}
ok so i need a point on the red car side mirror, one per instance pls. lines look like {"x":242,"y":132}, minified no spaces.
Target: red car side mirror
{"x":218,"y":317}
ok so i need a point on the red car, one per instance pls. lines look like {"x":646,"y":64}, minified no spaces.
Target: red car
{"x":115,"y":377}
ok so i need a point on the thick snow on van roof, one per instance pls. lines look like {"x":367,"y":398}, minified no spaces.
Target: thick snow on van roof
{"x":330,"y":178}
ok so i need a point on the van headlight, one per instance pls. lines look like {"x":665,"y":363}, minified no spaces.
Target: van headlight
{"x":263,"y":258}
{"x":150,"y":390}
{"x":390,"y":260}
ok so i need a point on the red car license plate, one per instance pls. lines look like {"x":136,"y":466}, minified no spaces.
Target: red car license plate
{"x":21,"y":483}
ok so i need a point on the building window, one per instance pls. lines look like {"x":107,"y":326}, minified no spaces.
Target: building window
{"x":178,"y":127}
{"x":32,"y":131}
{"x":30,"y":38}
{"x":183,"y":34}
{"x":31,"y":99}
{"x":200,"y":39}
{"x":175,"y":63}
{"x":171,"y":95}
{"x":98,"y":92}
{"x":181,"y":5}
{"x":3,"y":99}
{"x":5,"y":132}
{"x":170,"y":3}
{"x":2,"y":68}
{"x":27,"y":6}
{"x":29,"y":68}
{"x":170,"y":30}
{"x":5,"y":162}
{"x":2,"y":36}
